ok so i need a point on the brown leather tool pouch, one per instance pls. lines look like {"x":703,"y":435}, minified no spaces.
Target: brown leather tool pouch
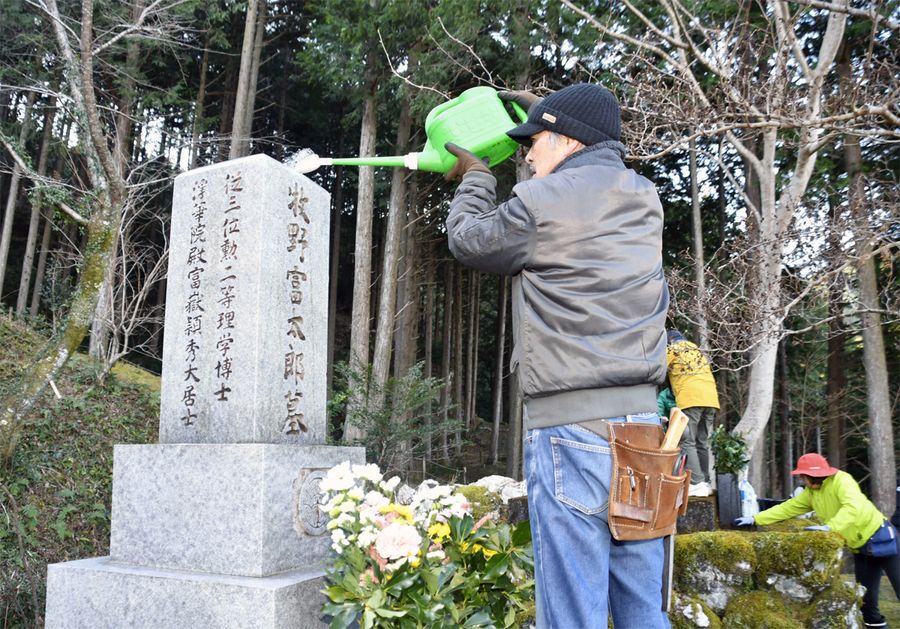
{"x":645,"y":498}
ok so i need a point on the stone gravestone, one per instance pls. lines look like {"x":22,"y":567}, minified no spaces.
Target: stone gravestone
{"x":219,"y":524}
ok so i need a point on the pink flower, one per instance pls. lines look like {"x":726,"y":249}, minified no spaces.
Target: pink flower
{"x":397,"y":541}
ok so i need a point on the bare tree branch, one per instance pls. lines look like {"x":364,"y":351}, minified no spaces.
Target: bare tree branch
{"x":78,"y":218}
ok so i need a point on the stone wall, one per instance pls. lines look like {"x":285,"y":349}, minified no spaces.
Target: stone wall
{"x":774,"y":579}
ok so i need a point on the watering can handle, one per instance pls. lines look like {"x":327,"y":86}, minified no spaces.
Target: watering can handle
{"x":434,"y":113}
{"x":523,"y":115}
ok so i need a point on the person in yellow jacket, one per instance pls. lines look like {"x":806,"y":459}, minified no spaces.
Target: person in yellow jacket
{"x":839,"y":503}
{"x":694,"y":387}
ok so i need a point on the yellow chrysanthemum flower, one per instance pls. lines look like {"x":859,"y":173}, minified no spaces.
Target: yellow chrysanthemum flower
{"x":401,"y":510}
{"x":439,"y":531}
{"x":487,"y":552}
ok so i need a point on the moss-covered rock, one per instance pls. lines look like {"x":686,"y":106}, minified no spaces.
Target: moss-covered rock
{"x":714,"y":566}
{"x":837,"y":607}
{"x":690,"y":612}
{"x":482,"y":501}
{"x":760,"y":609}
{"x":798,"y":565}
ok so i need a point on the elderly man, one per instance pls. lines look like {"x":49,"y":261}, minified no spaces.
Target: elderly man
{"x":583,"y":241}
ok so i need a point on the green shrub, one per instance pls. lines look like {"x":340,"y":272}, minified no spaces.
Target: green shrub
{"x":729,"y":450}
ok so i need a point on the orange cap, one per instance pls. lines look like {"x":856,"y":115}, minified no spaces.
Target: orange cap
{"x":813,"y":464}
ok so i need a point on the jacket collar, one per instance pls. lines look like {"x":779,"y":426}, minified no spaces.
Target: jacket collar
{"x":610,"y":153}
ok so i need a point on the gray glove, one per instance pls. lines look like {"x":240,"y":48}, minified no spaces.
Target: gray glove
{"x":522,"y":98}
{"x":746,"y":520}
{"x":818,"y":527}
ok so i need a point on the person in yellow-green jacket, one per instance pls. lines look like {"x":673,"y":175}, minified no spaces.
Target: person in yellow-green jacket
{"x":839,"y":503}
{"x":694,"y":387}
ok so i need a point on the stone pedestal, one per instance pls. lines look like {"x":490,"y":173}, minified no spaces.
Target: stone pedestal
{"x":237,"y":509}
{"x":219,"y":525}
{"x":100,"y":594}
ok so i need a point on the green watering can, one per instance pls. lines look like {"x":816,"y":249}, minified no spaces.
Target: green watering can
{"x":476,"y":120}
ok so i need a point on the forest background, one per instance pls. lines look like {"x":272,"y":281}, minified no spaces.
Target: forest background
{"x":770,"y":128}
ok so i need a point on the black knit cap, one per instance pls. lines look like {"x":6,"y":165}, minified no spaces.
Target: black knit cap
{"x":584,"y":112}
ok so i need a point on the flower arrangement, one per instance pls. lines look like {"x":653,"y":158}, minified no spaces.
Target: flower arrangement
{"x":412,"y":559}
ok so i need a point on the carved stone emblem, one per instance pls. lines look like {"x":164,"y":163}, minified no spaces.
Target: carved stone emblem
{"x":309,"y":518}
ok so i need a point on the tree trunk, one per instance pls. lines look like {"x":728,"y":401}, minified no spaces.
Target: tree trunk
{"x":460,"y":333}
{"x":836,"y":380}
{"x":882,"y":462}
{"x":499,"y":366}
{"x":472,"y":350}
{"x":42,"y":264}
{"x":337,"y":204}
{"x":13,"y":195}
{"x":103,"y":327}
{"x":240,"y":141}
{"x":699,"y":277}
{"x":514,"y":435}
{"x":158,"y":328}
{"x":258,"y":45}
{"x":429,"y":349}
{"x":787,"y":433}
{"x":446,"y":358}
{"x":765,"y":295}
{"x":35,"y":222}
{"x":387,"y":302}
{"x":362,"y":272}
{"x":405,"y":337}
{"x":199,"y":105}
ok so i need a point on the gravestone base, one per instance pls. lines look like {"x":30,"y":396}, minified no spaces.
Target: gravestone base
{"x":247,"y":509}
{"x":99,"y":593}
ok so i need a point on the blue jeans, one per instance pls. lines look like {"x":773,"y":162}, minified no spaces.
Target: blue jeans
{"x":582,"y":573}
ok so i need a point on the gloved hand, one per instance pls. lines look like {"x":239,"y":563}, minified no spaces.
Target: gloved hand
{"x":818,"y":527}
{"x":466,"y":162}
{"x":523,"y":98}
{"x":746,"y":520}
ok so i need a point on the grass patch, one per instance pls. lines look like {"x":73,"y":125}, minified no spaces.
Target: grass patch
{"x":61,"y":475}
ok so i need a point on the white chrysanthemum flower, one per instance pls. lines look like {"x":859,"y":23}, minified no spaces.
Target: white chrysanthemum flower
{"x":366,"y":538}
{"x":344,"y":519}
{"x":395,"y":565}
{"x":436,"y":554}
{"x":347,"y":506}
{"x":368,"y":472}
{"x":391,"y":484}
{"x":375,"y":499}
{"x":338,"y":478}
{"x":356,"y":493}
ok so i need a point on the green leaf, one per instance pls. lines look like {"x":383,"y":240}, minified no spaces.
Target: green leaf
{"x":388,"y":613}
{"x":376,"y":600}
{"x":479,"y":619}
{"x":336,"y":593}
{"x":342,"y":617}
{"x":521,"y":534}
{"x":496,"y":566}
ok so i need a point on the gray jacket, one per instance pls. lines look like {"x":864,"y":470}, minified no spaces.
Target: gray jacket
{"x":584,"y":245}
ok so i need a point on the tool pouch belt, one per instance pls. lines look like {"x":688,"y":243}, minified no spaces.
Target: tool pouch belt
{"x":645,"y":498}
